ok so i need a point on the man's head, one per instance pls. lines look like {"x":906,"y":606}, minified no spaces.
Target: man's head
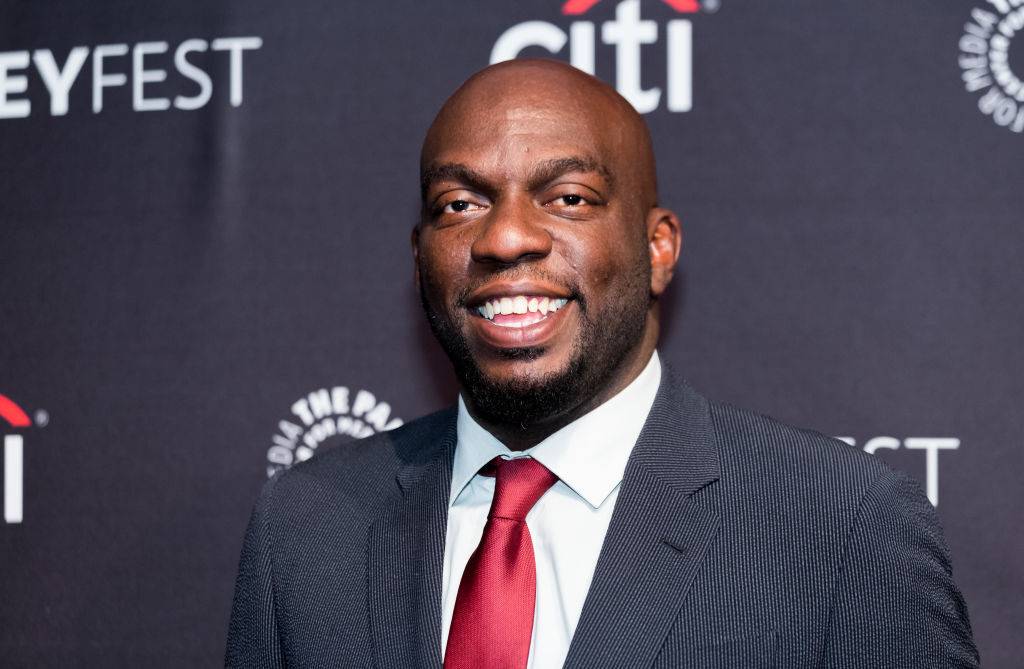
{"x":539,"y":186}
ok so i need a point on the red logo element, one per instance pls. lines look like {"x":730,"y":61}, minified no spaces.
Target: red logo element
{"x":13,"y":413}
{"x":576,"y":7}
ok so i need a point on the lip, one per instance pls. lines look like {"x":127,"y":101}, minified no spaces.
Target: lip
{"x":501,"y":289}
{"x":535,"y":334}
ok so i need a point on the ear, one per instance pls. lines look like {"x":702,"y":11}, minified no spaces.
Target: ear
{"x":416,"y":255}
{"x":665,"y":239}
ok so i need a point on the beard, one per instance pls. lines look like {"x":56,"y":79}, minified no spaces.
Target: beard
{"x":596,"y":355}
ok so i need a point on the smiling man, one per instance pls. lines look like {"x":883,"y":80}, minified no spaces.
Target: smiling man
{"x":582,"y":506}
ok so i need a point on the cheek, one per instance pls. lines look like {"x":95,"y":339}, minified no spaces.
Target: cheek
{"x":606,"y":265}
{"x":443,"y":260}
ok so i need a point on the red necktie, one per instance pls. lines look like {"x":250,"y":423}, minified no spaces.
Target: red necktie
{"x":493,"y":618}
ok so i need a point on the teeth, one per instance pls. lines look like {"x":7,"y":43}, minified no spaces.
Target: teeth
{"x":520,"y":304}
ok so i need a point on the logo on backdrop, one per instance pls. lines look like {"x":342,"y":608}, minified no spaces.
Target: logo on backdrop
{"x":148,"y":63}
{"x":985,"y":61}
{"x":628,"y":33}
{"x":15,"y":420}
{"x":931,"y":447}
{"x":327,"y":416}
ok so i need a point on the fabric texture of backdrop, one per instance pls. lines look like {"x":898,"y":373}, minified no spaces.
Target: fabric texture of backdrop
{"x":205,"y":272}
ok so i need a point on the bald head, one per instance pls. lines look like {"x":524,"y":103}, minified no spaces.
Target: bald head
{"x":515,"y":99}
{"x":541,"y":251}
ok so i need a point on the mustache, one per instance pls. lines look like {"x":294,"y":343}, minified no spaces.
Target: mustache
{"x":522,"y":274}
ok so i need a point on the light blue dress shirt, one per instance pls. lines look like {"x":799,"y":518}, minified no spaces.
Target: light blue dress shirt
{"x":568,"y":523}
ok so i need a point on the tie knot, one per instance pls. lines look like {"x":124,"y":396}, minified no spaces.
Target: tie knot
{"x":518,"y":484}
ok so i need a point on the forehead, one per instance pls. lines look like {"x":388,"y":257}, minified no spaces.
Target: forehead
{"x":509,"y":136}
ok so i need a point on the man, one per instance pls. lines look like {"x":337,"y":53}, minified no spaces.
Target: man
{"x":582,"y":506}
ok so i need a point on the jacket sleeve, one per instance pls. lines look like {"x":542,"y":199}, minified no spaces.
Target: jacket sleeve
{"x":895,"y":603}
{"x":253,"y":635}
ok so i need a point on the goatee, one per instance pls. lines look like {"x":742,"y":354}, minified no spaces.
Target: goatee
{"x":527,"y":401}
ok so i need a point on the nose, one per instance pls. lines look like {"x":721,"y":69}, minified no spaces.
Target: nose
{"x":513,"y":233}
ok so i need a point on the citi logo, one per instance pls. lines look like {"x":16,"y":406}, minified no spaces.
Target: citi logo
{"x":14,"y":456}
{"x":627,"y":33}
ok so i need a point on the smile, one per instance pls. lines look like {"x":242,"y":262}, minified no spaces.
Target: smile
{"x":519,"y":311}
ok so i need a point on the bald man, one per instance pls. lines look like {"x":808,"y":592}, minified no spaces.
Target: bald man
{"x":581,"y":506}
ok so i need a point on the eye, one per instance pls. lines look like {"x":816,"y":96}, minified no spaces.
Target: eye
{"x":459,"y":206}
{"x":572,"y":201}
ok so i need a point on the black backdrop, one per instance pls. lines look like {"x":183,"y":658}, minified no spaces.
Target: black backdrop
{"x":193,"y":297}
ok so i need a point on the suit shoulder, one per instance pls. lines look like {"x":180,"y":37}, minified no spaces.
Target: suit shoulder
{"x":753,"y":444}
{"x":361,"y":471}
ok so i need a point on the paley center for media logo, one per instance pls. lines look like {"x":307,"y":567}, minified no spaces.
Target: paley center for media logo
{"x":985,"y":61}
{"x":15,"y":420}
{"x":628,"y":33}
{"x":325,"y":417}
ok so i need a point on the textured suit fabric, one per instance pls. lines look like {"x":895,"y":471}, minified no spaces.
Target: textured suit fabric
{"x":736,"y":541}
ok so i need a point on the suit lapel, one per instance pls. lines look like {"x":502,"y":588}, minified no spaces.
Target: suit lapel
{"x":657,"y":538}
{"x":405,"y":551}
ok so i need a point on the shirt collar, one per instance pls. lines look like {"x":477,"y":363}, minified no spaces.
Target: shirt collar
{"x":589,"y":455}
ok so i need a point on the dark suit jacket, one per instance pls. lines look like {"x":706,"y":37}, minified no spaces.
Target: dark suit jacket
{"x":736,"y":541}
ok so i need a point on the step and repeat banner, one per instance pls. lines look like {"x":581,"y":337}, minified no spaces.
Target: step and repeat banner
{"x":205,"y":271}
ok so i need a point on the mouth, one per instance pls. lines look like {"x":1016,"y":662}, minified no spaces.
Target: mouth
{"x":517,"y":315}
{"x":519,"y":311}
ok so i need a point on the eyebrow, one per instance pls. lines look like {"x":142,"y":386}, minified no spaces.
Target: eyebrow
{"x":450,"y":172}
{"x":544,"y":173}
{"x":550,"y":170}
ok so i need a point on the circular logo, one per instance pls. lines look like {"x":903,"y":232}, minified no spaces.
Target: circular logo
{"x":985,"y":62}
{"x":323,"y":419}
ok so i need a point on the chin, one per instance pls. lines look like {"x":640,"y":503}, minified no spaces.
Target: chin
{"x":523,"y":367}
{"x":526,"y":388}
